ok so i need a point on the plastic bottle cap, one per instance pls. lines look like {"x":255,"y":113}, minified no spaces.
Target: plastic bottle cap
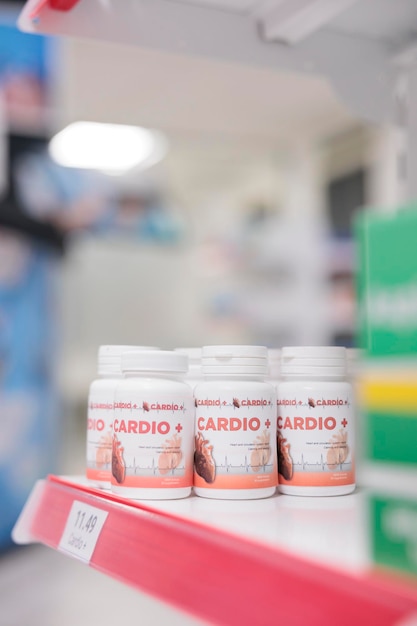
{"x":235,"y":360}
{"x":194,"y":354}
{"x":110,"y":357}
{"x":274,"y":354}
{"x":236,"y":370}
{"x":154,"y":361}
{"x":232,"y":361}
{"x":320,"y":352}
{"x":274,"y":363}
{"x":318,"y":361}
{"x":227,"y":352}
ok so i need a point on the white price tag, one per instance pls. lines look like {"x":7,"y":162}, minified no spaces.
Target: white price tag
{"x":82,"y":530}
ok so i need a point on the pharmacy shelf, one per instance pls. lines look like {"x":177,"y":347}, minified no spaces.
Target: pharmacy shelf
{"x":293,"y":560}
{"x":363,"y":48}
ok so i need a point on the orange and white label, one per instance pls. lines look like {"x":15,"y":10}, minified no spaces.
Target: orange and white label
{"x":235,"y":442}
{"x":152,"y":445}
{"x":99,"y":434}
{"x":315,"y":437}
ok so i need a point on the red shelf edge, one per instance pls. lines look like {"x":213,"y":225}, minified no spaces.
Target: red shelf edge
{"x":57,"y":5}
{"x":63,"y":5}
{"x":213,"y":574}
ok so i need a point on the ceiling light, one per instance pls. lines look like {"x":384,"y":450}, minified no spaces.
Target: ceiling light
{"x":113,"y":148}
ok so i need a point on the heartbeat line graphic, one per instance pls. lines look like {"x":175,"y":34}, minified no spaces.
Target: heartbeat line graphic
{"x":242,"y":468}
{"x":302,"y":465}
{"x":151,"y":469}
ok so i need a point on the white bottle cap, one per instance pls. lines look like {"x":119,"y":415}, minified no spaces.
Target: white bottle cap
{"x":235,"y":360}
{"x":194,"y":361}
{"x":314,"y":361}
{"x":194,"y":355}
{"x":154,"y":361}
{"x":353,"y":357}
{"x":110,"y":358}
{"x":274,"y":363}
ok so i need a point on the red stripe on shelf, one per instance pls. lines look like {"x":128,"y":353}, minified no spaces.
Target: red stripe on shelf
{"x":215,"y":575}
{"x":58,"y":5}
{"x":63,"y":5}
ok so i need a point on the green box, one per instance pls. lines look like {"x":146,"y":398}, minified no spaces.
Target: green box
{"x":387,"y":283}
{"x":393,"y":532}
{"x":390,"y":437}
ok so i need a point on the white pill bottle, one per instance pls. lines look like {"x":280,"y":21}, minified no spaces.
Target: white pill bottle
{"x":316,"y":418}
{"x":235,"y":434}
{"x":153,"y":427}
{"x":194,"y":374}
{"x":274,"y":366}
{"x":100,"y":414}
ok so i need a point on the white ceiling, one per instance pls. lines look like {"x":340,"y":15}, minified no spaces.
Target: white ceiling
{"x":182,"y":94}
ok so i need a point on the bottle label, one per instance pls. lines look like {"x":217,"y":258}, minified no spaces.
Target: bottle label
{"x":152,"y":442}
{"x":99,"y":435}
{"x":315,"y":439}
{"x":235,"y":442}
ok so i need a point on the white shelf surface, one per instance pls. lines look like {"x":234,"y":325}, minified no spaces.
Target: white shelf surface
{"x":234,"y":562}
{"x":315,"y":528}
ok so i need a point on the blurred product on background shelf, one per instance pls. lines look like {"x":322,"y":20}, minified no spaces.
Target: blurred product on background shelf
{"x":43,"y":207}
{"x":27,"y":66}
{"x":387,"y":381}
{"x":387,"y":284}
{"x":29,"y":402}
